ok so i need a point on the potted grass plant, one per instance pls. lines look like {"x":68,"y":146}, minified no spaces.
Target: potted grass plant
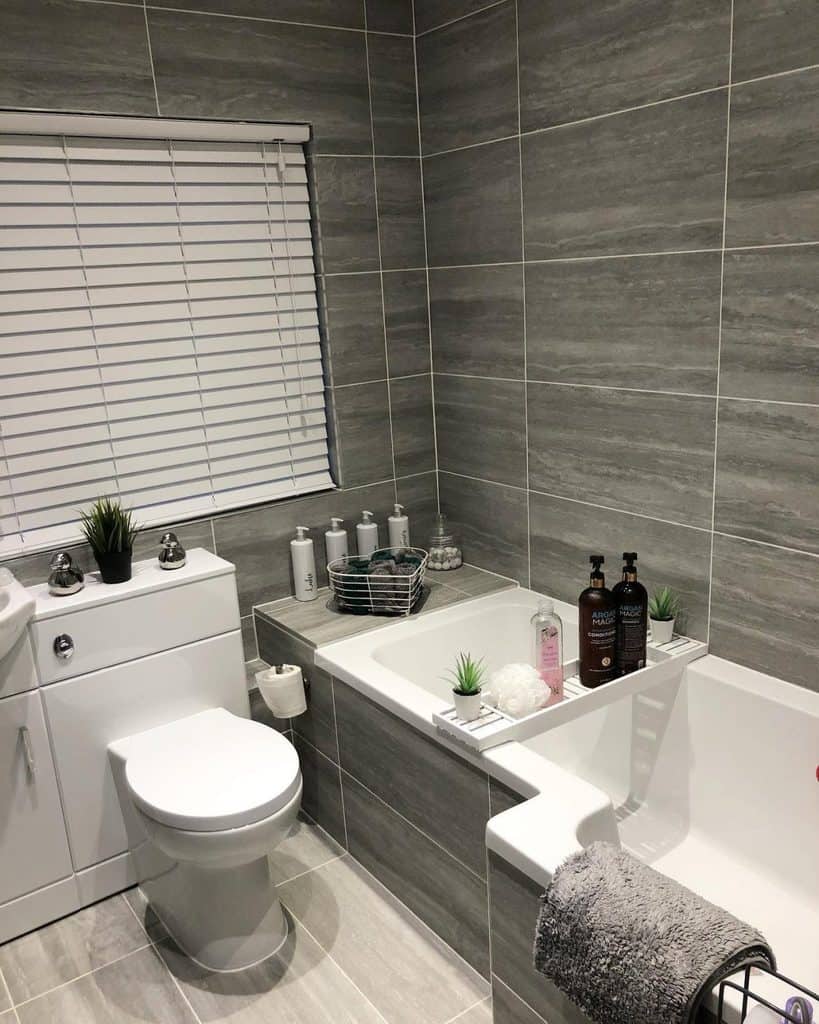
{"x":110,"y":531}
{"x":467,"y":677}
{"x":663,"y":609}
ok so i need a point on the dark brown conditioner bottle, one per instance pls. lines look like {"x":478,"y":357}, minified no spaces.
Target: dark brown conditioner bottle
{"x":598,"y":629}
{"x":631,"y":599}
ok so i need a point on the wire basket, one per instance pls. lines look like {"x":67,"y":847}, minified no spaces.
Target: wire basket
{"x":390,"y":582}
{"x":797,"y":1010}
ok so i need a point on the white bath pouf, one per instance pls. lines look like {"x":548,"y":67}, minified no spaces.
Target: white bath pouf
{"x":517,"y":690}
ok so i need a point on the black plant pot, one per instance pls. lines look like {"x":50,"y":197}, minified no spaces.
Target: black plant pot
{"x":115,"y":566}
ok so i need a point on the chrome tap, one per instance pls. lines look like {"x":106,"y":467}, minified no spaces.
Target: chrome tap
{"x":171,"y":554}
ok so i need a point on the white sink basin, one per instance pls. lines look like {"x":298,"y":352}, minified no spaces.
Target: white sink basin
{"x":16,"y":608}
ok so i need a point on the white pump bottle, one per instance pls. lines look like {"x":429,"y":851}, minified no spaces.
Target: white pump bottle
{"x":366,"y":533}
{"x":304,"y":566}
{"x":335,"y":540}
{"x":398,"y":525}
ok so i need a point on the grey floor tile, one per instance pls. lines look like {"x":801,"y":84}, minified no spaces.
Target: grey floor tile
{"x":318,"y":724}
{"x":764,"y":609}
{"x":413,"y":430}
{"x":407,"y":321}
{"x":64,"y":950}
{"x":430,"y":14}
{"x":321,"y":796}
{"x":508,"y":1008}
{"x":405,"y":768}
{"x":346,"y":214}
{"x":400,"y":213}
{"x":636,"y":451}
{"x":472,"y":201}
{"x":481,"y":1013}
{"x":355,"y":328}
{"x":564,"y":533}
{"x":445,"y":895}
{"x":773,"y":164}
{"x":330,"y":13}
{"x":462,"y":404}
{"x":395,"y":16}
{"x":135,"y":990}
{"x":587,"y":58}
{"x":154,"y":928}
{"x":307,"y":847}
{"x":491,"y":522}
{"x":774,"y":35}
{"x":477,"y":321}
{"x":5,"y":1001}
{"x":394,"y":103}
{"x":648,"y":180}
{"x":770,"y":325}
{"x":406,"y":971}
{"x":363,"y":438}
{"x":467,"y":80}
{"x":299,"y":985}
{"x":237,"y":68}
{"x":645,"y":322}
{"x":56,"y":53}
{"x":766,"y":473}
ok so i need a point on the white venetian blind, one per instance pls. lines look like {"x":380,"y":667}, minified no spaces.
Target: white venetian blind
{"x":159,"y":335}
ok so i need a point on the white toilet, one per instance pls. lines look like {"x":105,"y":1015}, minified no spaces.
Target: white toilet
{"x":214,"y":794}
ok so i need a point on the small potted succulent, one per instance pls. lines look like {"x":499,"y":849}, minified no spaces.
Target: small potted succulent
{"x":110,"y":531}
{"x":468,"y":677}
{"x":663,"y":609}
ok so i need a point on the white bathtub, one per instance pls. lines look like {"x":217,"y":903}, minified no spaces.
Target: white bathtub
{"x":711,"y":778}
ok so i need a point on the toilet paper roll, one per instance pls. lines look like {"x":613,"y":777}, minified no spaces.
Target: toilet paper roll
{"x":282,"y":689}
{"x":762,"y":1015}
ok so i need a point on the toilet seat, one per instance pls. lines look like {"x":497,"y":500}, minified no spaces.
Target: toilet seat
{"x":211,"y":771}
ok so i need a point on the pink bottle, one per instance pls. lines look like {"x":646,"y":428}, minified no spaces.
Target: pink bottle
{"x":548,"y":630}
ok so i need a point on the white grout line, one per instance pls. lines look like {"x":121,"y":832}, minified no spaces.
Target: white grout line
{"x":462,"y":17}
{"x":719,"y":329}
{"x":151,"y":56}
{"x":5,"y":988}
{"x":767,"y":544}
{"x":381,"y":380}
{"x":775,"y":74}
{"x":520,"y":999}
{"x":316,"y":867}
{"x":469,"y":1009}
{"x":85,"y":974}
{"x":273,"y":21}
{"x":367,"y":273}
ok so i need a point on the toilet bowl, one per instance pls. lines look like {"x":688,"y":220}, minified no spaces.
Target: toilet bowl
{"x":213,"y":794}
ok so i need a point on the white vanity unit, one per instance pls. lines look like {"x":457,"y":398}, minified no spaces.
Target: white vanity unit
{"x":91,"y":668}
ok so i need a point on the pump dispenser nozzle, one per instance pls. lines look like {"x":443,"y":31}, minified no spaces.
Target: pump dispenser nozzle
{"x":366,"y":517}
{"x":301,"y":531}
{"x":335,"y":522}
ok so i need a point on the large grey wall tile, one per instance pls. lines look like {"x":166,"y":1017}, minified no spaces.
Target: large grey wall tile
{"x":394,"y":101}
{"x":645,"y":322}
{"x":646,"y":180}
{"x":321,"y":794}
{"x":64,"y":950}
{"x":419,"y":494}
{"x":766,"y":473}
{"x":467,"y":80}
{"x":472,"y":200}
{"x":481,"y":428}
{"x":764,"y":609}
{"x":408,"y":973}
{"x":430,"y":14}
{"x":278,"y":646}
{"x":406,"y":769}
{"x":773,"y":166}
{"x":445,"y":895}
{"x":390,"y":16}
{"x":565,"y":533}
{"x":770,"y":325}
{"x":477,"y":320}
{"x":491,"y":522}
{"x":136,"y":990}
{"x":413,"y":430}
{"x":355,"y":327}
{"x":234,"y":68}
{"x":91,"y":57}
{"x":637,"y":451}
{"x":407,"y":321}
{"x":400,"y":213}
{"x":774,"y":35}
{"x":332,"y":13}
{"x":586,"y":58}
{"x":364,"y":433}
{"x":318,"y":724}
{"x":347,"y":229}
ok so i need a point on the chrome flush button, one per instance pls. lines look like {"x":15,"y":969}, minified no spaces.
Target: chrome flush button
{"x":64,"y":646}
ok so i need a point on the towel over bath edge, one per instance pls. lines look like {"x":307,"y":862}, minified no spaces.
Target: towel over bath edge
{"x":629,"y":945}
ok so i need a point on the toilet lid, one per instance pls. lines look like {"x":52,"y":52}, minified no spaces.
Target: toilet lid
{"x":211,"y":771}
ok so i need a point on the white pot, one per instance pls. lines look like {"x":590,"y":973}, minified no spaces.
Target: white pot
{"x":467,"y":705}
{"x":662,"y":630}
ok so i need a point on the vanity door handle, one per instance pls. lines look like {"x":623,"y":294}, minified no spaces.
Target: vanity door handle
{"x":28,"y":751}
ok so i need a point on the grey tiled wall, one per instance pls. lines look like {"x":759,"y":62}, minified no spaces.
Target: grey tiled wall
{"x":348,"y":68}
{"x":622,"y":212}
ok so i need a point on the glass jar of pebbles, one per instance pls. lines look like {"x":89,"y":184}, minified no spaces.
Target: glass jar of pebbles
{"x":444,"y":551}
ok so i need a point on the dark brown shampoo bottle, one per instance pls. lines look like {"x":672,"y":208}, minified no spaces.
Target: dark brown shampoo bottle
{"x":598,"y":629}
{"x":631,"y":599}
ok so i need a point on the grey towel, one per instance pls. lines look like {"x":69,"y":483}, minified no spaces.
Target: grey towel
{"x":630,"y":946}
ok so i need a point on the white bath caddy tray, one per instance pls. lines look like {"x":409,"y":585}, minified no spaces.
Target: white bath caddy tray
{"x":666,"y":661}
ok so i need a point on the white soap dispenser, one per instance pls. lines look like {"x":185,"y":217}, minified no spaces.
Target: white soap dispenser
{"x":335,"y":540}
{"x":304,"y":565}
{"x":398,"y":525}
{"x":366,"y":533}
